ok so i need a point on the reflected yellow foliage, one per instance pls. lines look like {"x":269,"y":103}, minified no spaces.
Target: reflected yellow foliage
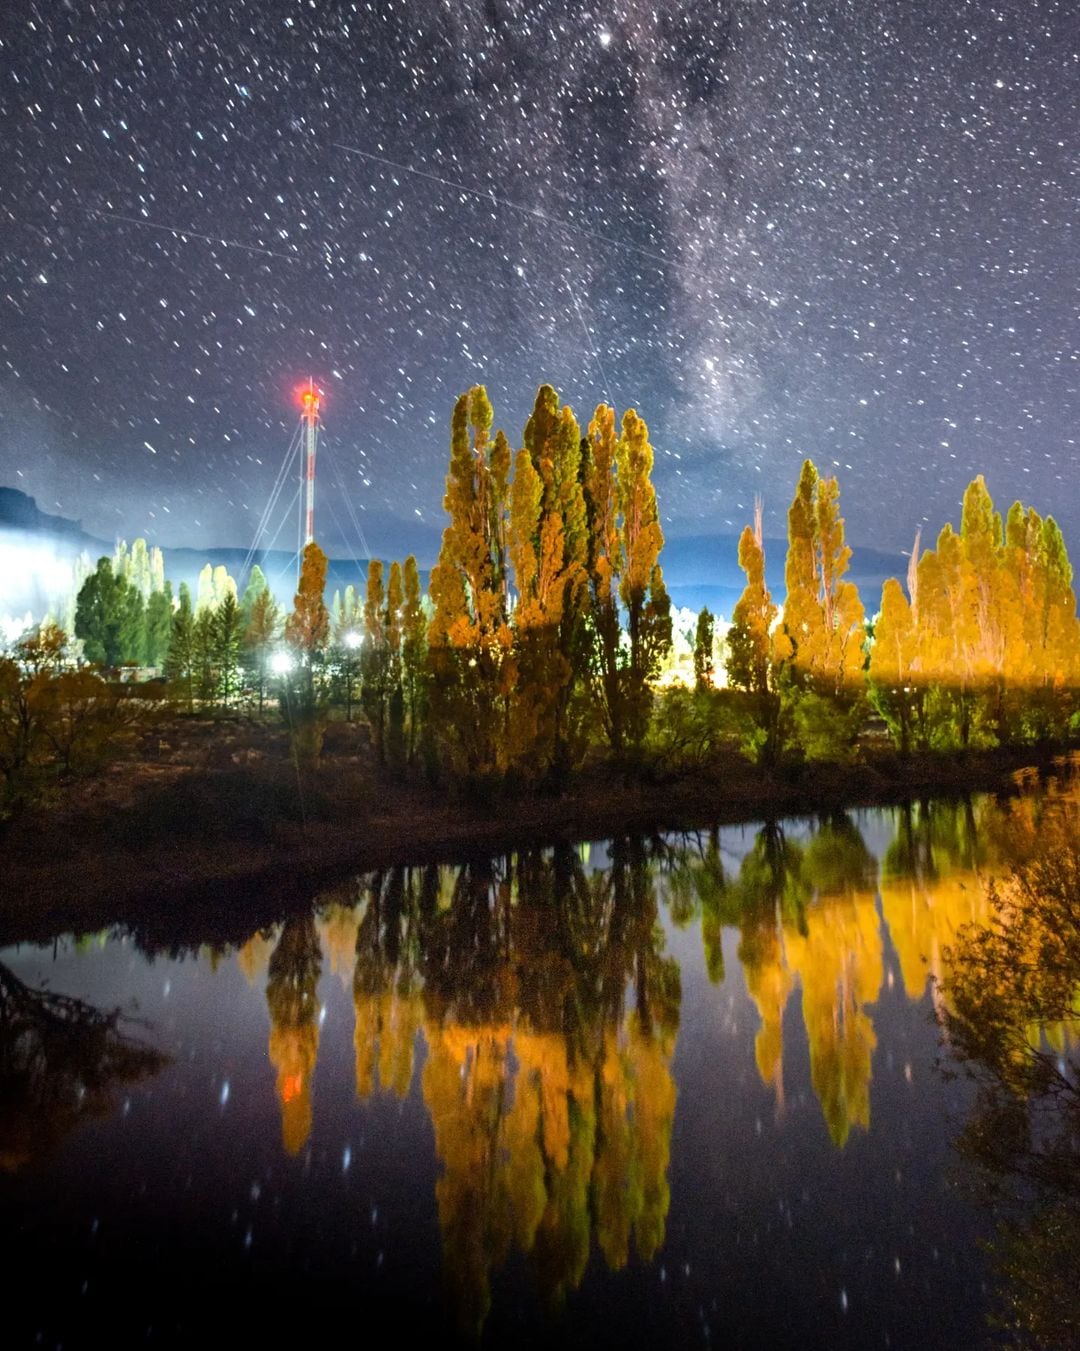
{"x":384,"y":1040}
{"x":552,"y":1103}
{"x":769,"y":982}
{"x":924,"y":919}
{"x":294,"y":1025}
{"x":839,"y":965}
{"x":338,"y":927}
{"x":254,"y":957}
{"x":807,"y":915}
{"x":1012,"y":1013}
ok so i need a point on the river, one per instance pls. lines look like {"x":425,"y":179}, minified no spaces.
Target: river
{"x":687,"y":1091}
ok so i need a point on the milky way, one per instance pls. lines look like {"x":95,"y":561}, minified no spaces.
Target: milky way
{"x":778,"y":229}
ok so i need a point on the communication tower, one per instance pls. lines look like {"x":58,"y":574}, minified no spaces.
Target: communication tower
{"x":310,"y":417}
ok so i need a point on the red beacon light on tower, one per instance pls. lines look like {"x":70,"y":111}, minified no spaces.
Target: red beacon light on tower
{"x":309,"y":400}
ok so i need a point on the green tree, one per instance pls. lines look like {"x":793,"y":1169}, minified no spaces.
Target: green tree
{"x":180,"y":662}
{"x":159,"y":617}
{"x":703,"y":650}
{"x":227,"y":634}
{"x":203,"y":656}
{"x":375,"y":658}
{"x":257,"y":586}
{"x":260,"y":635}
{"x":109,"y":617}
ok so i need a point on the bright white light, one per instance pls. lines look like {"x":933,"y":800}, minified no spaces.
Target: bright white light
{"x":35,"y":572}
{"x":281,"y":663}
{"x":353,"y":639}
{"x":605,"y":38}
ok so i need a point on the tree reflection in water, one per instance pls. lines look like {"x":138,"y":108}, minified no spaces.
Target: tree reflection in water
{"x":551,"y":1096}
{"x":291,"y":998}
{"x":62,"y":1062}
{"x":1011,"y":1007}
{"x":549,"y":1012}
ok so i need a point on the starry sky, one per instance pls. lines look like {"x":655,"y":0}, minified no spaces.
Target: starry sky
{"x":779,"y":228}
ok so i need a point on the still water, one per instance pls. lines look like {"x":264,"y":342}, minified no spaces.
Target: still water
{"x":671,"y":1092}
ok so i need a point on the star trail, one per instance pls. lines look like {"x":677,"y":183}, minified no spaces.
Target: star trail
{"x":778,"y":229}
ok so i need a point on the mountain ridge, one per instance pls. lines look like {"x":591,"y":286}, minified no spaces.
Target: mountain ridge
{"x":698,"y":569}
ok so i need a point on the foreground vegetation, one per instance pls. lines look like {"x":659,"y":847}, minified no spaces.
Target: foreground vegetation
{"x":533,"y":663}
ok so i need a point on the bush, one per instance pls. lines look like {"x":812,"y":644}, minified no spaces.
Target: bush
{"x":826,"y":729}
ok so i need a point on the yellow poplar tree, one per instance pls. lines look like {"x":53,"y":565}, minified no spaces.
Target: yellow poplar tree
{"x":307,"y":628}
{"x":750,"y":644}
{"x":895,"y":683}
{"x":547,"y":546}
{"x":621,"y":559}
{"x":413,"y":655}
{"x":603,"y":565}
{"x":469,"y":637}
{"x":823,"y":616}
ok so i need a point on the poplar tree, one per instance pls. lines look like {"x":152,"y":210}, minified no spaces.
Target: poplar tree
{"x":750,"y":644}
{"x":257,"y":585}
{"x":159,"y":617}
{"x":469,"y":638}
{"x":395,"y":698}
{"x":703,"y":650}
{"x":346,"y":615}
{"x":603,"y":565}
{"x":413,"y":656}
{"x":823,"y":626}
{"x":641,"y":585}
{"x":548,"y":546}
{"x":623,"y":543}
{"x":307,"y":628}
{"x":215,"y":584}
{"x":895,"y":682}
{"x":375,"y":657}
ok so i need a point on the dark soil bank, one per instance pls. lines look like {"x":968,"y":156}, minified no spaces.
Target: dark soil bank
{"x":214,"y":833}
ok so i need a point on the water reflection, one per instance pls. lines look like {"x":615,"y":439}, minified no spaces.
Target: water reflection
{"x":549,"y":1091}
{"x":1012,"y":1011}
{"x":62,"y":1062}
{"x":291,"y":999}
{"x":530,"y":1007}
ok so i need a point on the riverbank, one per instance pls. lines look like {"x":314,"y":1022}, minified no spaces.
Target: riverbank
{"x":213,"y":829}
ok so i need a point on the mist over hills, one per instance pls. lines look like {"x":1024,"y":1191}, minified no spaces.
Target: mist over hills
{"x":37,"y":552}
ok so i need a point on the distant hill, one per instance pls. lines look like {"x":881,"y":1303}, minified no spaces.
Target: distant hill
{"x":699,"y":569}
{"x":19,"y":511}
{"x":704,"y":570}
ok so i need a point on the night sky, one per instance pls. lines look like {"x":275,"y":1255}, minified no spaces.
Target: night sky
{"x":840,"y":229}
